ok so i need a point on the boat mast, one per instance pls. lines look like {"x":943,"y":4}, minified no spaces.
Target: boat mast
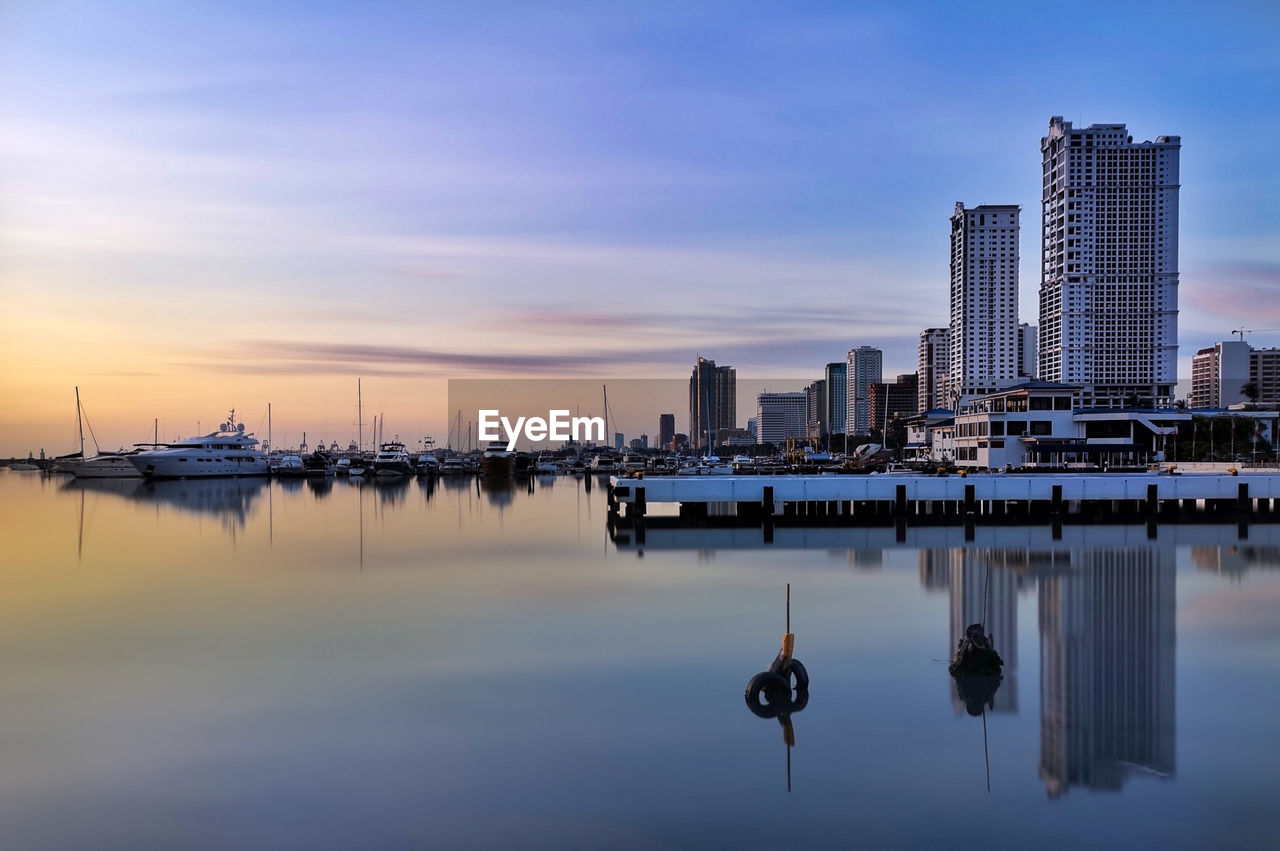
{"x":79,"y":424}
{"x":359,"y":418}
{"x":608,"y":439}
{"x":268,"y":427}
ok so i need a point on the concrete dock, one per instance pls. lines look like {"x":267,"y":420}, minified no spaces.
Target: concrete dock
{"x":831,"y":500}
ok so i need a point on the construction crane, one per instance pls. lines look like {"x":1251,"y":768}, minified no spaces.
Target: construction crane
{"x":1240,"y":332}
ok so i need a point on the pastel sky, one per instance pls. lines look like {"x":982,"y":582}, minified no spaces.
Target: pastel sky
{"x":216,"y":205}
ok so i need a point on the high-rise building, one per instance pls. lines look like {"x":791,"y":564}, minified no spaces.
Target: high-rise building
{"x":984,"y":299}
{"x":1026,"y":351}
{"x":932,"y":368}
{"x":779,"y":416}
{"x":618,"y":440}
{"x":1107,"y":644}
{"x":666,"y":430}
{"x":863,"y":367}
{"x":893,"y":400}
{"x":1109,"y":264}
{"x":1220,"y":373}
{"x":753,"y":428}
{"x":837,"y":400}
{"x":816,"y":424}
{"x":713,"y":401}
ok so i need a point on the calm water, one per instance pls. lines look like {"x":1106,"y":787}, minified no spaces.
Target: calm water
{"x":249,"y":664}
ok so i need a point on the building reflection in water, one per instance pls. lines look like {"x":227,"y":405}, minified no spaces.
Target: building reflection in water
{"x":1234,"y":562}
{"x":1107,"y":640}
{"x":966,"y":575}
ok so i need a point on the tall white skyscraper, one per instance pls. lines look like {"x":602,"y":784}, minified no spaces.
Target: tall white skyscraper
{"x":1109,"y":277}
{"x":984,"y":299}
{"x":863,"y":368}
{"x":932,"y":368}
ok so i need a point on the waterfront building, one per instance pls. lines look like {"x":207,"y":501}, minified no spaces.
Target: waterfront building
{"x":780,"y":416}
{"x":618,"y":441}
{"x":713,"y":401}
{"x":932,"y":369}
{"x":816,"y":424}
{"x":1109,"y":264}
{"x":753,"y":428}
{"x":837,"y":398}
{"x":984,"y":299}
{"x":666,"y":431}
{"x":1040,"y":424}
{"x":863,"y":367}
{"x":1026,"y":351}
{"x":1107,"y":644}
{"x":893,"y":400}
{"x":923,"y":441}
{"x":1220,"y":372}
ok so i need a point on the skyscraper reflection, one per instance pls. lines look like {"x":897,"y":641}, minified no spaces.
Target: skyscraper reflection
{"x":1107,"y":639}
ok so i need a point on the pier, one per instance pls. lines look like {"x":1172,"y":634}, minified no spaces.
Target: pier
{"x":902,"y":501}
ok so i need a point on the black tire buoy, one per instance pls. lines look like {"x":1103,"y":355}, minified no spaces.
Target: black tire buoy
{"x":775,"y":690}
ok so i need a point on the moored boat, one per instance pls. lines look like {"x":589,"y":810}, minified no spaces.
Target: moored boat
{"x":391,"y":460}
{"x":497,"y":461}
{"x":229,"y":451}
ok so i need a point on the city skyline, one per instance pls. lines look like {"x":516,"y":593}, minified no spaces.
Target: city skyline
{"x":197,"y":218}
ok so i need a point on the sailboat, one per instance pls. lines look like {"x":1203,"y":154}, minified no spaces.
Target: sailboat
{"x":100,"y":465}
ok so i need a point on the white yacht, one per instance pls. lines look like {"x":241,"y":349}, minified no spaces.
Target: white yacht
{"x":229,"y":451}
{"x":547,"y":465}
{"x":391,"y":460}
{"x":100,"y":465}
{"x":104,"y":465}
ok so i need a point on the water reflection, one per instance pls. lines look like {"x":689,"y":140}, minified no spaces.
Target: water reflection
{"x":320,"y":486}
{"x":500,"y":491}
{"x":229,"y":500}
{"x":1107,"y":639}
{"x":966,"y":575}
{"x":293,"y":659}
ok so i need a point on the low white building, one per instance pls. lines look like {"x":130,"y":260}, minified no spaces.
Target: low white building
{"x":1037,"y":424}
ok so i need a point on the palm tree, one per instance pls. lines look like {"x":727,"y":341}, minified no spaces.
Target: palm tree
{"x":1250,"y":391}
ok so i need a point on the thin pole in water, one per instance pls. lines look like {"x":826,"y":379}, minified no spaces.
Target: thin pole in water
{"x":788,"y":619}
{"x":986,"y":753}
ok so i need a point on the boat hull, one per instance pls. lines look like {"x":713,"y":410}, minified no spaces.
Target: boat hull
{"x":498,"y":465}
{"x":176,"y":464}
{"x":101,"y":467}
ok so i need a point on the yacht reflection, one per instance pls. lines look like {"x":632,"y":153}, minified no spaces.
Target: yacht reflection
{"x":230,"y":500}
{"x":500,"y":491}
{"x":391,"y":490}
{"x":290,"y":484}
{"x":320,"y":486}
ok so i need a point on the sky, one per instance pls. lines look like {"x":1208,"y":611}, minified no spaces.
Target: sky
{"x":207,"y":206}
